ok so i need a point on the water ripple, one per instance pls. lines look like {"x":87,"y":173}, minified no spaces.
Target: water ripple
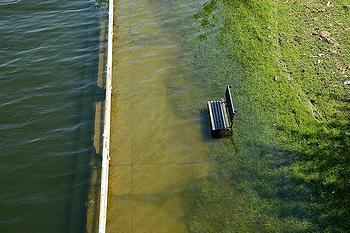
{"x":48,"y":69}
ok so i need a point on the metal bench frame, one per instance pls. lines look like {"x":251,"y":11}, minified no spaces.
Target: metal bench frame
{"x":221,"y":115}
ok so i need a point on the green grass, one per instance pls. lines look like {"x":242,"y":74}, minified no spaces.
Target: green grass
{"x":287,"y":167}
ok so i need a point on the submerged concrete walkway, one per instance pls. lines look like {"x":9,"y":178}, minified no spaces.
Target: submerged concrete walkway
{"x":156,"y":149}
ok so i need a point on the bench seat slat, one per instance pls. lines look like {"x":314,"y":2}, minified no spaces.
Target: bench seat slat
{"x":221,"y":114}
{"x":218,"y":115}
{"x":211,"y":116}
{"x":225,"y":116}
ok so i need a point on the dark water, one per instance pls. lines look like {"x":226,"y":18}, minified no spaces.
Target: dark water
{"x":48,"y":69}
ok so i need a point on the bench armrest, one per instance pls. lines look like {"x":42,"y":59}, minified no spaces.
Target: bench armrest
{"x":229,"y":103}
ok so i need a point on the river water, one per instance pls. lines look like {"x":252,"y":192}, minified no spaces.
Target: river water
{"x":48,"y":68}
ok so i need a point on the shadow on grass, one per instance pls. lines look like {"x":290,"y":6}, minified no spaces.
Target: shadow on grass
{"x":269,"y":189}
{"x":325,"y":167}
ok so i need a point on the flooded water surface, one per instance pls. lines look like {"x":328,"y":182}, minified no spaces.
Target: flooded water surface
{"x":159,"y":145}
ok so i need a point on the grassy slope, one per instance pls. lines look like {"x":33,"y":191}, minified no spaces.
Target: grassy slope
{"x":288,"y":169}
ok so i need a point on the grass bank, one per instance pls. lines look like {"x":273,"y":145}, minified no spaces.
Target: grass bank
{"x":287,"y":167}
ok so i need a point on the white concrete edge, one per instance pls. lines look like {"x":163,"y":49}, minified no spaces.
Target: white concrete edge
{"x":107,"y":124}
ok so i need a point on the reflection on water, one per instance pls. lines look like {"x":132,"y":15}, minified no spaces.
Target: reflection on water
{"x":158,"y":143}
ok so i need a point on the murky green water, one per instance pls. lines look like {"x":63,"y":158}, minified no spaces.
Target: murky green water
{"x":48,"y":69}
{"x":159,"y":131}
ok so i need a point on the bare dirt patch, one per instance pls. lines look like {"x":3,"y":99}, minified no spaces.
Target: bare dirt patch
{"x":327,"y":36}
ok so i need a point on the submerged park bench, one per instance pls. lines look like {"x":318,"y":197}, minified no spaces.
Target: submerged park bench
{"x":221,"y":114}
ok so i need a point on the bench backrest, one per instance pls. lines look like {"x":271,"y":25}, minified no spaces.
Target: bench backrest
{"x":229,"y":103}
